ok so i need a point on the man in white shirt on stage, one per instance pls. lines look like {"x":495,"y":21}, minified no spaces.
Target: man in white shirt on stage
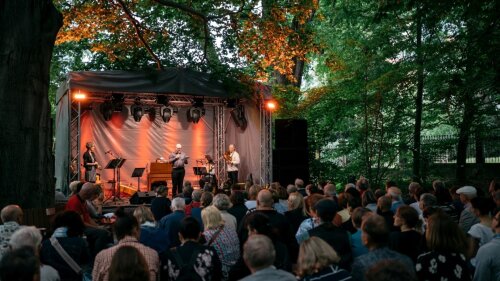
{"x":233,"y":162}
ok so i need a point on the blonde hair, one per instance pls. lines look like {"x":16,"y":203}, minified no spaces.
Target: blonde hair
{"x":211,"y":217}
{"x":143,"y":214}
{"x":296,"y":201}
{"x":314,"y":255}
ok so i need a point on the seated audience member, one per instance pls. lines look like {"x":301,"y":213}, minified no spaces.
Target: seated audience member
{"x":318,"y":261}
{"x":447,"y":245}
{"x":128,"y":264}
{"x":416,"y":195}
{"x":444,"y":201}
{"x":20,"y":265}
{"x":330,"y":191}
{"x":427,"y":200}
{"x":353,"y":201}
{"x":68,"y":231}
{"x":258,"y":223}
{"x":170,"y":223}
{"x":277,"y":221}
{"x":296,"y":213}
{"x":497,"y":200}
{"x":358,"y":215}
{"x":74,"y":187}
{"x":493,"y":188}
{"x":291,"y":189}
{"x":408,"y":241}
{"x":12,"y":218}
{"x":30,"y":236}
{"x":187,"y":191}
{"x":126,"y":229}
{"x":151,"y":235}
{"x":280,"y":197}
{"x":481,"y":232}
{"x":238,"y":210}
{"x":362,"y":185}
{"x":457,"y":203}
{"x":97,"y":237}
{"x":379,"y":193}
{"x":220,"y":237}
{"x":336,"y":237}
{"x":195,"y":202}
{"x":467,"y":217}
{"x":259,"y":254}
{"x":223,"y":203}
{"x":343,"y":214}
{"x":205,"y":201}
{"x":160,"y":206}
{"x":94,"y":204}
{"x":390,"y":270}
{"x":412,"y":189}
{"x":369,"y":201}
{"x":299,"y":184}
{"x":59,"y":196}
{"x":190,"y":260}
{"x":395,"y":194}
{"x":488,"y":256}
{"x":384,"y":210}
{"x":251,"y":203}
{"x":376,"y":237}
{"x":303,"y":232}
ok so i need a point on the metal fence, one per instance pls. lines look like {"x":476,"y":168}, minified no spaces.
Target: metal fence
{"x":443,"y":148}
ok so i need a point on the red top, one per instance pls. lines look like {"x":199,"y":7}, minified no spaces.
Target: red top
{"x":189,"y":207}
{"x":75,"y":203}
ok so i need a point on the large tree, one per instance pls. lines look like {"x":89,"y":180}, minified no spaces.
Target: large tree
{"x":28,"y":30}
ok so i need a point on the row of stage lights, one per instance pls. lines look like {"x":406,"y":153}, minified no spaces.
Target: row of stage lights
{"x":167,"y":110}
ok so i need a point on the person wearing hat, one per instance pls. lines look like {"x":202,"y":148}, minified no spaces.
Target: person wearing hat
{"x":178,"y":159}
{"x":467,"y":217}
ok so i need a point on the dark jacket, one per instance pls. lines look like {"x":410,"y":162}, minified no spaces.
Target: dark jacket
{"x":170,"y":223}
{"x":77,"y":249}
{"x":160,"y":207}
{"x":295,"y":217}
{"x":338,"y":238}
{"x":239,"y":212}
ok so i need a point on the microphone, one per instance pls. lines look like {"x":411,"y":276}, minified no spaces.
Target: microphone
{"x":107,"y":151}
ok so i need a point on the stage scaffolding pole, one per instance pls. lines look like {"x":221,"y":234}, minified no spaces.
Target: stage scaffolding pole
{"x":220,"y":144}
{"x":266,"y":167}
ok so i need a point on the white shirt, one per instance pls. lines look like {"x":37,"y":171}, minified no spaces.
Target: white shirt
{"x":235,"y":162}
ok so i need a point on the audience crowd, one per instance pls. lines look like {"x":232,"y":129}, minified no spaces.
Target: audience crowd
{"x":301,"y":232}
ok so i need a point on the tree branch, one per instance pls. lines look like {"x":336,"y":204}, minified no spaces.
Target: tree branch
{"x":139,"y":34}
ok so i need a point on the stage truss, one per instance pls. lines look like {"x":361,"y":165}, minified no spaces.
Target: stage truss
{"x":219,"y":105}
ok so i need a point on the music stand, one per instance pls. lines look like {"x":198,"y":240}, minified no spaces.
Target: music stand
{"x":115,"y":164}
{"x":137,"y":173}
{"x":200,"y":171}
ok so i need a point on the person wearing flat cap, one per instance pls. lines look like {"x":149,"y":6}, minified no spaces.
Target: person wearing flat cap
{"x":467,"y":217}
{"x":178,"y":159}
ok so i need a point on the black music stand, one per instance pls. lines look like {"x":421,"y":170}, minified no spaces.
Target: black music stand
{"x":115,"y":164}
{"x":200,"y":171}
{"x":137,"y":173}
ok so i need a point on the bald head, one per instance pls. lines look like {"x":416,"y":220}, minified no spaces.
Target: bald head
{"x":12,"y":213}
{"x":265,"y":199}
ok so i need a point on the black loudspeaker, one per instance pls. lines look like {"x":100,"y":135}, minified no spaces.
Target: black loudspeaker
{"x":142,"y":197}
{"x":289,"y":164}
{"x":291,"y":133}
{"x":291,"y":156}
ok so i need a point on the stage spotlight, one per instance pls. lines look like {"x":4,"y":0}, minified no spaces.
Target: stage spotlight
{"x":118,"y":100}
{"x":107,"y":110}
{"x":271,"y":105}
{"x":137,"y":110}
{"x":197,"y":111}
{"x":167,"y":112}
{"x":238,"y":115}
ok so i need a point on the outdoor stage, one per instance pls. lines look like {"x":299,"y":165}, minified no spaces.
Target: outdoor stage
{"x":101,"y":107}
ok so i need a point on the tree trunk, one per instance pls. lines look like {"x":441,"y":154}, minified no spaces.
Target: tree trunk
{"x":418,"y":99}
{"x":463,"y":137}
{"x":28,"y":31}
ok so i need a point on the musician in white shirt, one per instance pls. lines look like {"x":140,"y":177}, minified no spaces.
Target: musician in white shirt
{"x":233,"y":163}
